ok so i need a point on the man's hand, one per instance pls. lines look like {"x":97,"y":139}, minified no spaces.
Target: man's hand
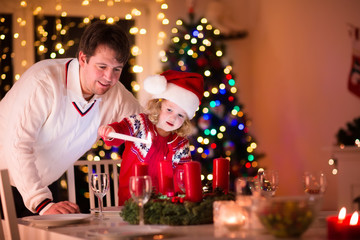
{"x":63,"y":208}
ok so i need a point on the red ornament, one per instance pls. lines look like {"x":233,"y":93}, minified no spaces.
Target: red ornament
{"x":177,"y":200}
{"x":354,"y":76}
{"x":201,"y":62}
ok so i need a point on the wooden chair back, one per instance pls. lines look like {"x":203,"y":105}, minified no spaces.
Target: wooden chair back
{"x":112,"y":167}
{"x":9,"y":228}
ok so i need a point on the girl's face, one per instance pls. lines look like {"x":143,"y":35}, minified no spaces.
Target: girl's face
{"x":171,"y":116}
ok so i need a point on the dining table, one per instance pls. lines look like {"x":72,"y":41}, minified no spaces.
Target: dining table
{"x":112,"y":226}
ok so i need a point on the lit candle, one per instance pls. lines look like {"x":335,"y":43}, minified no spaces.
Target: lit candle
{"x":166,"y":183}
{"x":231,"y":223}
{"x":343,"y":226}
{"x":335,"y":224}
{"x":193,"y":187}
{"x":221,"y":174}
{"x":353,"y":231}
{"x":342,"y":214}
{"x":229,"y":214}
{"x":354,"y":219}
{"x":129,"y":138}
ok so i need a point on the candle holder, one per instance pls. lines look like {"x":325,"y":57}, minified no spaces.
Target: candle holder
{"x":229,"y":216}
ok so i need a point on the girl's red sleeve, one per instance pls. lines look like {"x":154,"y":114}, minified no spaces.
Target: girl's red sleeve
{"x":119,"y":127}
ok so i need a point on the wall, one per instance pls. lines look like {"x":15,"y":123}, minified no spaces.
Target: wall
{"x":301,"y":55}
{"x":292,"y":74}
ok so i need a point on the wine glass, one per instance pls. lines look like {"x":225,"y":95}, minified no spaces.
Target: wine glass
{"x":180,"y":178}
{"x":99,"y":183}
{"x":247,"y":186}
{"x":269,"y":182}
{"x":247,"y":193}
{"x":140,"y":190}
{"x":314,"y":182}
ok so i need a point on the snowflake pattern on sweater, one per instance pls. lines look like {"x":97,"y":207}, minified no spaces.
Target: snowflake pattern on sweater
{"x":140,"y":126}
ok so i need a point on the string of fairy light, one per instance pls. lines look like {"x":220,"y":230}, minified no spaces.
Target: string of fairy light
{"x":61,"y":47}
{"x":61,"y":29}
{"x":333,"y":161}
{"x":5,"y":54}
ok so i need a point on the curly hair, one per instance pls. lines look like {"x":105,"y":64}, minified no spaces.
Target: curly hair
{"x":153,"y":110}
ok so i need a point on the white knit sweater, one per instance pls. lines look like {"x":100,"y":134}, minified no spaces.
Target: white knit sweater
{"x":46,"y":125}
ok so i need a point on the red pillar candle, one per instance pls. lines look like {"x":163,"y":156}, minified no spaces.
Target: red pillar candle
{"x":342,"y":227}
{"x":140,"y":169}
{"x":335,"y":228}
{"x":193,"y":187}
{"x":221,"y":174}
{"x":353,"y":229}
{"x":166,"y":184}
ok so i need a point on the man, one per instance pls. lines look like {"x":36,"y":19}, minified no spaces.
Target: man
{"x":51,"y":115}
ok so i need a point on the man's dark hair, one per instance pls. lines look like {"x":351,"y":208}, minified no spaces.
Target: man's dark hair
{"x":110,"y":35}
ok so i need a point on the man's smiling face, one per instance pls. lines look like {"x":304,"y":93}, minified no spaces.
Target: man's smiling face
{"x":100,"y":72}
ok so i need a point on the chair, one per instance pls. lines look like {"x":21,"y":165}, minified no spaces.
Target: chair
{"x":9,"y":226}
{"x":112,"y":167}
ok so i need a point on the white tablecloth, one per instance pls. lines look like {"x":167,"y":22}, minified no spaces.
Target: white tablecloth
{"x":89,"y":228}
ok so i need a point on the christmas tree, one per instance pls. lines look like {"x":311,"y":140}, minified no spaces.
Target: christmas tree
{"x":221,"y":124}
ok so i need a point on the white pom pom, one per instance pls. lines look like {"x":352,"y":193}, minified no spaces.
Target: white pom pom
{"x":155,"y":84}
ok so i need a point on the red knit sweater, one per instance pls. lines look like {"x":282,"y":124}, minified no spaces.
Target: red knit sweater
{"x":171,"y":148}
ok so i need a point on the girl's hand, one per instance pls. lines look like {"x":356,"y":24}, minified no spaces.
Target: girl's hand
{"x":104,"y":131}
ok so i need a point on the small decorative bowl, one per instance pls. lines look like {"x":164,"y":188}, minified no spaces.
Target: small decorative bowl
{"x":287,"y":216}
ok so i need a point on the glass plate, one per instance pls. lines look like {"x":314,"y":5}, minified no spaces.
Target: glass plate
{"x":56,"y":219}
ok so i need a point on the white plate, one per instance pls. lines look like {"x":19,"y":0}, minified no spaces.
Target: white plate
{"x":56,"y":219}
{"x":126,"y":231}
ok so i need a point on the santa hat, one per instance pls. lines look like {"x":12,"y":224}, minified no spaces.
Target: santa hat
{"x":185,"y":89}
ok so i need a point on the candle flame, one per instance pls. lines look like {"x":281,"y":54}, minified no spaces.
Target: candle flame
{"x":342,"y":213}
{"x":354,"y":219}
{"x":231,"y":220}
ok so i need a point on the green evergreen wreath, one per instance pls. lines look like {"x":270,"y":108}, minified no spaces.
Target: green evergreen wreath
{"x":173,"y":210}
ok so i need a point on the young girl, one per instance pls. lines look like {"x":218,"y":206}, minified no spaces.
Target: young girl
{"x":175,"y":98}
